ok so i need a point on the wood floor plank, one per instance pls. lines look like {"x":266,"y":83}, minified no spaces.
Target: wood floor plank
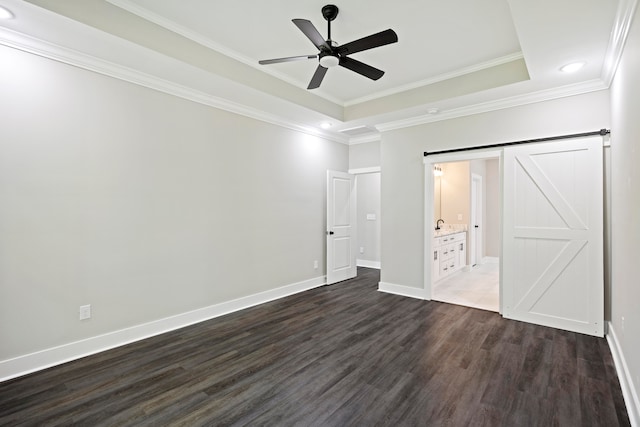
{"x":596,"y":403}
{"x":337,"y":355}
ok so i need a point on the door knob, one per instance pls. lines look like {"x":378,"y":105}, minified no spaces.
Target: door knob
{"x":476,"y":226}
{"x":330,"y":233}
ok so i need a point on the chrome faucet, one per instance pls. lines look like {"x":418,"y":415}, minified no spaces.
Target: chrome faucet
{"x":438,"y":223}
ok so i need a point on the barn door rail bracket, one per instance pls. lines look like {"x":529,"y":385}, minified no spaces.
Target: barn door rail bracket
{"x":601,"y":132}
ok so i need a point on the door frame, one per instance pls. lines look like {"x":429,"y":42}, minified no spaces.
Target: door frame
{"x":475,"y":242}
{"x":428,"y":191}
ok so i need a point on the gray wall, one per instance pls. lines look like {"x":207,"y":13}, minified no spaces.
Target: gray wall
{"x":402,"y":201}
{"x":142,"y":204}
{"x":364,"y":155}
{"x":625,"y":205}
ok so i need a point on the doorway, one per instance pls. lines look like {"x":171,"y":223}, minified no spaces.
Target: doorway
{"x":353,"y":226}
{"x":367,"y":188}
{"x":368,"y":222}
{"x":462,"y":205}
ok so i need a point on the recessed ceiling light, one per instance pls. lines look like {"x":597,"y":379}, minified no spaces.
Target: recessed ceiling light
{"x":573,"y":67}
{"x":325,"y":125}
{"x":5,"y":13}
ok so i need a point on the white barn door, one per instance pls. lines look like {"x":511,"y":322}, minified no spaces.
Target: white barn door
{"x":341,"y":227}
{"x":553,"y":235}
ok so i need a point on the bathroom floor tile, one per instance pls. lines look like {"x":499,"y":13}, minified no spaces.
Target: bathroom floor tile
{"x":478,"y":288}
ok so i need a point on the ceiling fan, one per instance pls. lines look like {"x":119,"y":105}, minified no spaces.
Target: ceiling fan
{"x":331,"y":54}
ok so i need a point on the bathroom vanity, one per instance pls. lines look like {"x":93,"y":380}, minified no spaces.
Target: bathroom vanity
{"x":449,"y":253}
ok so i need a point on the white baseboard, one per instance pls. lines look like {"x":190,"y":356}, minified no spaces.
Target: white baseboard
{"x":405,"y":291}
{"x":22,"y":365}
{"x":626,"y":380}
{"x":368,"y":264}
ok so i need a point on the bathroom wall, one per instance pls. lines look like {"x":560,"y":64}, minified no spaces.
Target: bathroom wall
{"x":455,"y":193}
{"x":456,"y":198}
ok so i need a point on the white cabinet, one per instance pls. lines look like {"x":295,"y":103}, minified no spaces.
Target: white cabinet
{"x":462,"y":252}
{"x":449,"y":254}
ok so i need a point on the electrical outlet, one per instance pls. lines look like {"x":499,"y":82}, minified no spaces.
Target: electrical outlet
{"x":85,"y":312}
{"x":361,"y":249}
{"x":315,"y":264}
{"x":459,"y":217}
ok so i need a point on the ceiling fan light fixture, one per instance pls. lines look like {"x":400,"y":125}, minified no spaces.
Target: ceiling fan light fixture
{"x":329,"y":61}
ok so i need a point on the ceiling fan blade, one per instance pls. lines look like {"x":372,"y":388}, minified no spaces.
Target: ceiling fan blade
{"x":287,"y":59}
{"x":361,"y":68}
{"x":312,"y":33}
{"x":317,"y":77}
{"x":379,"y":39}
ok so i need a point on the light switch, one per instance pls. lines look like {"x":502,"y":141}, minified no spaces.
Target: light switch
{"x":371,"y":217}
{"x":85,"y":312}
{"x":459,"y":217}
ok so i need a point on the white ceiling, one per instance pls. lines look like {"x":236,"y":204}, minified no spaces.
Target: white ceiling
{"x":438,"y":41}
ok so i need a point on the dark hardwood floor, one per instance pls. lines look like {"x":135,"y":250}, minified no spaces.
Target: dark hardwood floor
{"x":340,"y":355}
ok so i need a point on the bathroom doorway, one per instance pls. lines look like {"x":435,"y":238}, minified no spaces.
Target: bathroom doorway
{"x":462,"y":230}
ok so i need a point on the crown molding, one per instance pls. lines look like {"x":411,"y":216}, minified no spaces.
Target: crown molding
{"x":621,"y":26}
{"x":499,"y":104}
{"x":124,"y":69}
{"x":442,"y":77}
{"x":33,"y":45}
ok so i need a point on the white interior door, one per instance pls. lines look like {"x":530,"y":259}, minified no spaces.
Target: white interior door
{"x":553,"y":235}
{"x":475,"y":230}
{"x":341,"y":227}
